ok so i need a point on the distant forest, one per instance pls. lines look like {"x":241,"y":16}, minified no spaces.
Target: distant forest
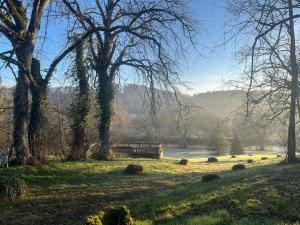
{"x":194,"y":120}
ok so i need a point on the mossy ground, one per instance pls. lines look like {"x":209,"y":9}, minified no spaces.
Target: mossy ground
{"x":168,"y":193}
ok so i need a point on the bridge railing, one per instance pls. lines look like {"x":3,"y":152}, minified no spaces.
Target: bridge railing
{"x":143,"y":150}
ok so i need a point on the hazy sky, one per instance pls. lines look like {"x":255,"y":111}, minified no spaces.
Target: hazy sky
{"x":217,"y":61}
{"x":206,"y":67}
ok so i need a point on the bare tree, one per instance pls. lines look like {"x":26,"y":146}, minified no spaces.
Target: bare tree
{"x":137,"y":34}
{"x":272,"y":58}
{"x":22,"y":33}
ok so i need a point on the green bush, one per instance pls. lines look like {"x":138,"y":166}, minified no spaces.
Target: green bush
{"x":111,"y":216}
{"x":237,"y":146}
{"x":11,"y":188}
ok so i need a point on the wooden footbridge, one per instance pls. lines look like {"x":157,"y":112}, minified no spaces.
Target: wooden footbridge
{"x":140,"y":150}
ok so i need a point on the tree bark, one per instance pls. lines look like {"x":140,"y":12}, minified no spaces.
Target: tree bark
{"x":106,"y":94}
{"x":291,"y":147}
{"x":20,"y":115}
{"x":38,"y":110}
{"x":80,"y":109}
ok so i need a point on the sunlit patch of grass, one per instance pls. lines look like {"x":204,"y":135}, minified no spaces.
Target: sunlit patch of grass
{"x":166,"y":193}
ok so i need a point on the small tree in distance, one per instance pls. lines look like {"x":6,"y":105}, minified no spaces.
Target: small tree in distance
{"x":217,"y":142}
{"x":237,"y":146}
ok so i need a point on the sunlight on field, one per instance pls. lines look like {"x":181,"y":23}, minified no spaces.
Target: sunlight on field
{"x":89,"y":186}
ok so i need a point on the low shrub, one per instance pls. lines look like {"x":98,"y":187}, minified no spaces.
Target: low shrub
{"x":212,"y":159}
{"x":134,"y":169}
{"x":111,"y":216}
{"x":264,"y":158}
{"x":11,"y":188}
{"x":279,"y":156}
{"x":233,"y":156}
{"x":238,"y":167}
{"x":210,"y":177}
{"x":183,"y":162}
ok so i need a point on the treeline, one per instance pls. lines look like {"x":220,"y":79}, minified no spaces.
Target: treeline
{"x":217,"y":125}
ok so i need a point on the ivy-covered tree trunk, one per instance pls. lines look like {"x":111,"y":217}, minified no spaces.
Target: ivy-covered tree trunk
{"x":80,"y":109}
{"x":20,"y":115}
{"x":38,"y":119}
{"x":106,"y":94}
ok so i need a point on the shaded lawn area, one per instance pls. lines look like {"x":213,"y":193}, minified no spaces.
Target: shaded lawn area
{"x":167,"y":193}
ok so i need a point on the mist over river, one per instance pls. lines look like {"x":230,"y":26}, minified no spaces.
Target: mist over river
{"x":173,"y":152}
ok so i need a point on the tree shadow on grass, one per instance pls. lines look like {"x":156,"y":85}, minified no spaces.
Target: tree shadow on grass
{"x":256,"y":192}
{"x":80,"y":193}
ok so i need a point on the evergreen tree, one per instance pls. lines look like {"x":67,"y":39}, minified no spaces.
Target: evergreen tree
{"x":236,"y":145}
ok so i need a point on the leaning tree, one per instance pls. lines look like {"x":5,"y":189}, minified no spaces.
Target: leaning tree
{"x":137,"y":36}
{"x":271,"y":59}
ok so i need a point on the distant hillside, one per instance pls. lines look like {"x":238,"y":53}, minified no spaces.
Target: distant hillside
{"x":221,"y":103}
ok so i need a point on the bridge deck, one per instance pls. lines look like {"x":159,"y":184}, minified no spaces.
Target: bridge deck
{"x":143,"y":150}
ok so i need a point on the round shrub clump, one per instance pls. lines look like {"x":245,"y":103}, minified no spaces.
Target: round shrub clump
{"x":11,"y":188}
{"x":212,"y":159}
{"x":279,"y":156}
{"x":111,"y":216}
{"x":238,"y":167}
{"x":233,"y":156}
{"x":210,"y":177}
{"x":183,"y":162}
{"x":264,"y":158}
{"x":134,"y":169}
{"x":250,"y":161}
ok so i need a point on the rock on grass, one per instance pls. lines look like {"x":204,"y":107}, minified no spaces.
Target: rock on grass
{"x":238,"y":167}
{"x":183,"y":162}
{"x":210,"y":177}
{"x":212,"y":159}
{"x":250,"y":161}
{"x":134,"y":169}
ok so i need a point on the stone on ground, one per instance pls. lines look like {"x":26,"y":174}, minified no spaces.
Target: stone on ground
{"x":134,"y":169}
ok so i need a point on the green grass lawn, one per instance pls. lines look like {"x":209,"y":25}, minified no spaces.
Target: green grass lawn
{"x":63,"y":193}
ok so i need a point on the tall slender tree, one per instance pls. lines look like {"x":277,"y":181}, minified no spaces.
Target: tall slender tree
{"x":80,"y":107}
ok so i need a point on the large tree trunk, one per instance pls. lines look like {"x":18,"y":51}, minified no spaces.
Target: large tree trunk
{"x":80,"y":110}
{"x":20,"y":119}
{"x":291,"y":148}
{"x":38,"y":110}
{"x":105,"y":98}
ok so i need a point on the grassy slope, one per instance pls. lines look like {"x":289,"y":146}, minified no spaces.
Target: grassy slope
{"x":167,"y":193}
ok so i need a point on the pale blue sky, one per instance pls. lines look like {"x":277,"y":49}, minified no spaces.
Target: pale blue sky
{"x":206,"y":67}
